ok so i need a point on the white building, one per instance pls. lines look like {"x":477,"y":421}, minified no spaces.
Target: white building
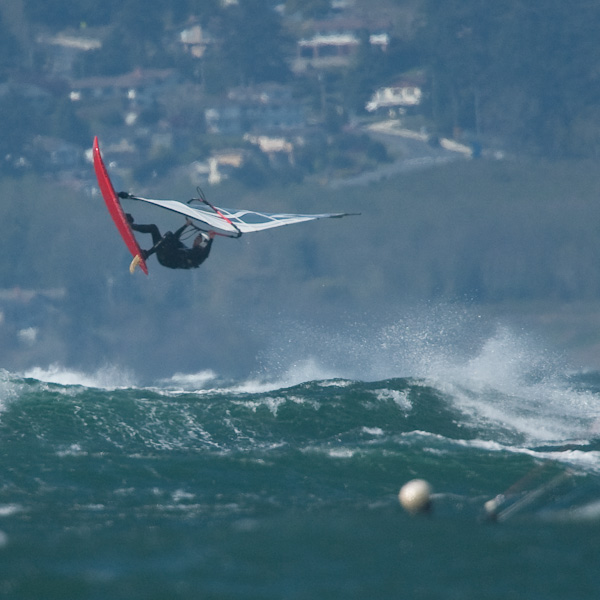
{"x":395,"y":97}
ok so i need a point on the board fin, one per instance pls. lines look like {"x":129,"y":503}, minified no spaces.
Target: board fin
{"x":137,"y":259}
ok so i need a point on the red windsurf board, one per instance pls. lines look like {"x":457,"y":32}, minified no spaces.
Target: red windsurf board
{"x":116,"y":210}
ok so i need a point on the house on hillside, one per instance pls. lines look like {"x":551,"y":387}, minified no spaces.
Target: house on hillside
{"x":194,"y":40}
{"x":142,"y":86}
{"x":218,"y":167}
{"x":332,"y":42}
{"x":64,"y":48}
{"x":277,"y":149}
{"x":394,"y":98}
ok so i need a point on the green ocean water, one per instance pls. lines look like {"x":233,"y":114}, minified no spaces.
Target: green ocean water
{"x":193,"y":487}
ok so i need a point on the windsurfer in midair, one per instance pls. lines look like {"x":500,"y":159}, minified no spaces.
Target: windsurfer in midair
{"x":170,"y":251}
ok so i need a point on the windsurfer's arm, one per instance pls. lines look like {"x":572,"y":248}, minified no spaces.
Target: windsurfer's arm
{"x":178,"y":233}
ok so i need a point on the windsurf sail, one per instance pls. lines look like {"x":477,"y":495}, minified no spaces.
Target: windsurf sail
{"x":233,"y":221}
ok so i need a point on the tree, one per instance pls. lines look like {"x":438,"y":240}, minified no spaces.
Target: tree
{"x":366,"y":72}
{"x":115,"y":57}
{"x":17,"y":124}
{"x":253,"y":45}
{"x":308,"y":8}
{"x":64,"y":123}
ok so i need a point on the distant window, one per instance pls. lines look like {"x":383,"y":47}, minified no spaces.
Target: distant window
{"x":328,"y":50}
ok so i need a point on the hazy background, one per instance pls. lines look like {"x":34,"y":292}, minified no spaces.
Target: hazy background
{"x":503,"y":233}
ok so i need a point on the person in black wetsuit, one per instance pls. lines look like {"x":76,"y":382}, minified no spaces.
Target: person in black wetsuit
{"x":170,"y":251}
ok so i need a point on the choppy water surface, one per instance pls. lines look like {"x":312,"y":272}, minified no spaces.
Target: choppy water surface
{"x":286,"y":487}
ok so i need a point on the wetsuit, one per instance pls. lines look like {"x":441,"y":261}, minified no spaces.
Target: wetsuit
{"x":171,"y":252}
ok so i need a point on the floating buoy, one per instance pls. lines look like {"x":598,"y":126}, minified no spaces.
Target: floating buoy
{"x":492,"y":507}
{"x":415,"y":496}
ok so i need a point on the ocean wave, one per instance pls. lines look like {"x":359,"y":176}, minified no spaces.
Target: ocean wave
{"x":444,"y":374}
{"x":107,"y":377}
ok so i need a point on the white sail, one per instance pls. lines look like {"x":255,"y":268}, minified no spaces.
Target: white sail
{"x":236,"y":220}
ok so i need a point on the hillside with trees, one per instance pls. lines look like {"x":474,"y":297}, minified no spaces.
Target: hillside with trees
{"x":523,"y":74}
{"x":518,"y":233}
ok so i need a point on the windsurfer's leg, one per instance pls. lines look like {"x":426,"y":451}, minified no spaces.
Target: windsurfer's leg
{"x":151,"y":229}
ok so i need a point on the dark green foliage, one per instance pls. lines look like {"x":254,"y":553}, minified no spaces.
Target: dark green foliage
{"x":64,"y":123}
{"x":377,"y":151}
{"x":254,"y":173}
{"x":252,"y":47}
{"x":136,"y":15}
{"x":157,"y":166}
{"x":14,"y":113}
{"x":65,"y":13}
{"x":24,"y":118}
{"x":526,"y":71}
{"x":368,"y":71}
{"x":308,"y":8}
